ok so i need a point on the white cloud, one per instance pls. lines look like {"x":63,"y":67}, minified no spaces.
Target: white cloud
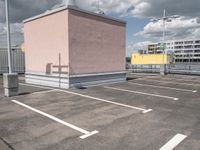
{"x":139,"y":9}
{"x":177,"y":29}
{"x":154,"y":8}
{"x":134,"y":47}
{"x":108,"y":6}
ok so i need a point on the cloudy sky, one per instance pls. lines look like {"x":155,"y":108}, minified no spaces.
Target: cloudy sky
{"x":137,"y":13}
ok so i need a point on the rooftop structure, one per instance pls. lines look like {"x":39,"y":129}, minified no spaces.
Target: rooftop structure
{"x":74,"y":47}
{"x":151,"y":59}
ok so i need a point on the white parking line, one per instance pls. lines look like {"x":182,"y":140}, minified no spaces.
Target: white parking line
{"x":86,"y":133}
{"x":144,"y":111}
{"x":177,"y":139}
{"x":137,"y":92}
{"x":168,"y":82}
{"x":164,"y":87}
{"x":107,"y":101}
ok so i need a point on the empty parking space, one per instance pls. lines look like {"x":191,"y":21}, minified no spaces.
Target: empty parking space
{"x":143,"y":93}
{"x":168,"y":84}
{"x":141,"y":100}
{"x":186,"y":83}
{"x":157,"y":91}
{"x":86,"y":133}
{"x":178,"y":78}
{"x":164,"y":87}
{"x":132,"y":115}
{"x":74,"y":109}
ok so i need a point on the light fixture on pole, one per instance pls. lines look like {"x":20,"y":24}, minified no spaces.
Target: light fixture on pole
{"x":8,"y":36}
{"x":10,"y":79}
{"x":99,"y":11}
{"x":165,"y":19}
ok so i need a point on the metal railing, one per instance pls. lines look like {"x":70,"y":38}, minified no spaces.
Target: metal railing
{"x":186,"y":69}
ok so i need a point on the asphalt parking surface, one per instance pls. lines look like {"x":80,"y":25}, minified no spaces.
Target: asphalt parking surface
{"x":116,"y":111}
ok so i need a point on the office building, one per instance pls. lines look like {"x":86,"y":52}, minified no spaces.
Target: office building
{"x":183,"y":50}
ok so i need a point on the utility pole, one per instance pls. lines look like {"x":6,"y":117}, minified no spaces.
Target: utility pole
{"x":8,"y":36}
{"x":10,"y":79}
{"x":164,"y":29}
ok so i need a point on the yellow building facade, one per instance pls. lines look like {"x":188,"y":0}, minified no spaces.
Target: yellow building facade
{"x":151,"y":59}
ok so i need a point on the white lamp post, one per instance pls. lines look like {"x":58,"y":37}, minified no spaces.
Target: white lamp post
{"x":165,"y":19}
{"x":8,"y":36}
{"x":10,"y":80}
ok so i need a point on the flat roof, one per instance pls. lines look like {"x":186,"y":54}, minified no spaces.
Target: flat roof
{"x":72,"y":8}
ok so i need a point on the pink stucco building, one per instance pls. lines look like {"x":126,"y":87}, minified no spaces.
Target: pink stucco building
{"x":70,"y":47}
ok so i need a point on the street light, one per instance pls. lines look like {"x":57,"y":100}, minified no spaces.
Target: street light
{"x":10,"y":80}
{"x":165,"y":19}
{"x":8,"y":36}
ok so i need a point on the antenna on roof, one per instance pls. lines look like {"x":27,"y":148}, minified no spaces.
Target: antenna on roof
{"x":98,"y":7}
{"x":71,"y":3}
{"x":99,"y":11}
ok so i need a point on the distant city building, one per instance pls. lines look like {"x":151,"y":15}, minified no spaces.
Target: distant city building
{"x":153,"y":48}
{"x":142,"y":51}
{"x":151,"y":59}
{"x":184,"y":50}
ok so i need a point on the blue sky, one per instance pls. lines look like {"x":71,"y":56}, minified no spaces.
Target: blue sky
{"x":134,"y":25}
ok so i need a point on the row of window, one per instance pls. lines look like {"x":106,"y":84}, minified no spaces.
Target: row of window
{"x":187,"y":42}
{"x":187,"y":60}
{"x":188,"y":46}
{"x":188,"y":56}
{"x":187,"y":51}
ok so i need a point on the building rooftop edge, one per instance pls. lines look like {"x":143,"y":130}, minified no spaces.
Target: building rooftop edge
{"x":72,"y":8}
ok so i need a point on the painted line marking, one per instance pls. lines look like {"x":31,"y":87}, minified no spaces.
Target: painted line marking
{"x":168,"y":82}
{"x":146,"y":111}
{"x":137,"y":92}
{"x":98,"y":99}
{"x":107,"y":101}
{"x":164,"y":87}
{"x":86,"y":133}
{"x":89,"y":134}
{"x":170,"y":145}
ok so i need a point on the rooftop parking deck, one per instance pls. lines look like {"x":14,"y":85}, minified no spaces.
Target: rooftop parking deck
{"x":148,"y":112}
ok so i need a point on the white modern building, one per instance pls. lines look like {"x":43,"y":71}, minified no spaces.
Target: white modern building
{"x":184,"y":50}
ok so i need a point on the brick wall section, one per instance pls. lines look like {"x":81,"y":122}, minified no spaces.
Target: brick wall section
{"x":45,"y":38}
{"x":96,"y":44}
